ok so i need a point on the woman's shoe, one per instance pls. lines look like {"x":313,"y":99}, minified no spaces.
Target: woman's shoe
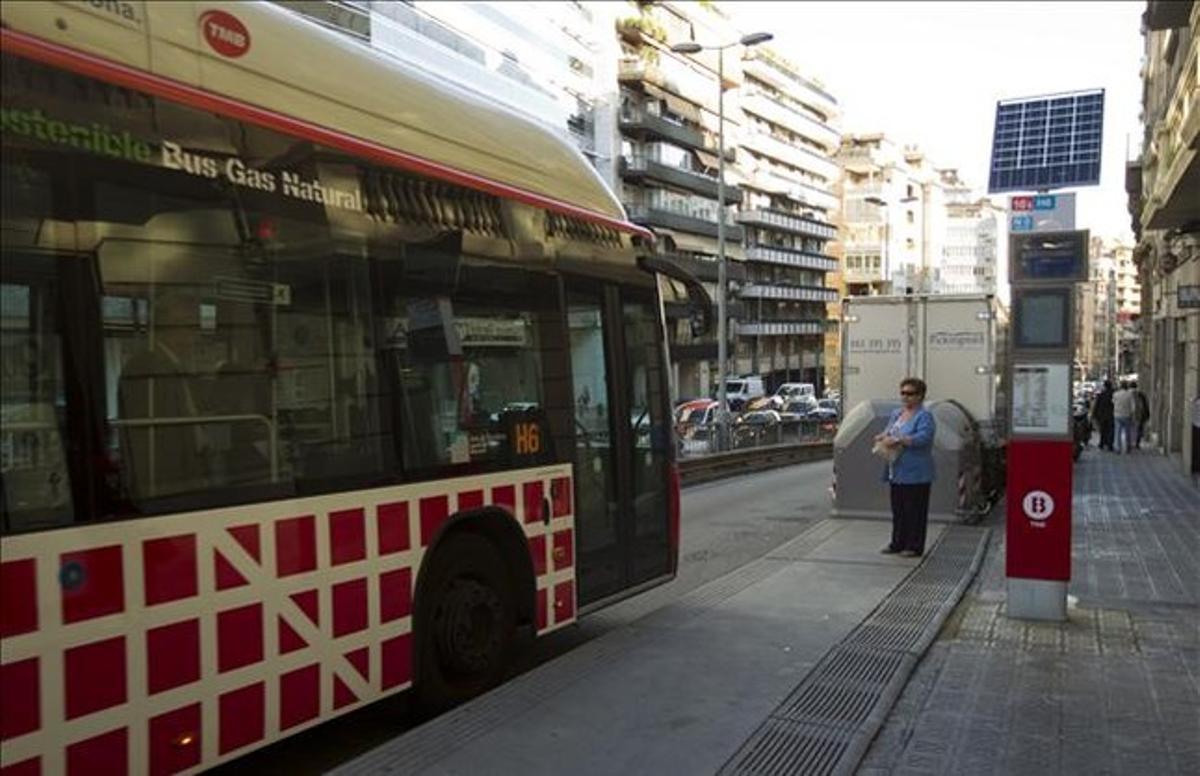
{"x":910,"y":554}
{"x":889,"y":550}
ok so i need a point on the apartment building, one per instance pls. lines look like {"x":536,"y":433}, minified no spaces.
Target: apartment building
{"x":789,"y":136}
{"x":1110,"y":317}
{"x":1163,"y":185}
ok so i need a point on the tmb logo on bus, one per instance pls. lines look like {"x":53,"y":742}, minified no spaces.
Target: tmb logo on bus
{"x":225,"y":33}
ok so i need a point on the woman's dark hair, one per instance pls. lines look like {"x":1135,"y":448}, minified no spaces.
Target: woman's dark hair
{"x":916,"y":383}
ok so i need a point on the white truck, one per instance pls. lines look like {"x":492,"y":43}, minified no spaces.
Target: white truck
{"x":955,"y":343}
{"x":958,"y":345}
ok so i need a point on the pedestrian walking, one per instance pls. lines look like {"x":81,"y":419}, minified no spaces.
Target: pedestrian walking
{"x":907,"y":447}
{"x":1124,"y":410}
{"x":1143,"y":413}
{"x":1102,"y":415}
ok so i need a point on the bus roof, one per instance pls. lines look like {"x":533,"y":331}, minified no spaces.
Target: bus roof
{"x":295,"y":70}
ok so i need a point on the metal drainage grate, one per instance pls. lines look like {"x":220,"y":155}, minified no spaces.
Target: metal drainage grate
{"x":812,"y":730}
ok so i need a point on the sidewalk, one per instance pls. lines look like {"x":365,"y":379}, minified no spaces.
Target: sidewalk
{"x":1114,"y":690}
{"x":792,"y":660}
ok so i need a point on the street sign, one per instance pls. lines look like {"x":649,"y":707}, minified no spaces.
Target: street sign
{"x":1041,"y":213}
{"x":1047,"y":142}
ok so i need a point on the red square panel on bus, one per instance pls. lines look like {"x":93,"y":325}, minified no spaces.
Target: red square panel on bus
{"x":239,"y":637}
{"x":342,"y":695}
{"x":92,"y":584}
{"x":247,"y":537}
{"x":225,"y":574}
{"x":564,"y":550}
{"x":434,"y":512}
{"x":533,"y":501}
{"x":564,"y":602}
{"x":470,"y":499}
{"x":349,"y":607}
{"x":30,"y":767}
{"x":396,"y":656}
{"x":173,"y":655}
{"x":242,"y":717}
{"x":106,"y":753}
{"x":295,"y":545}
{"x":299,"y":696}
{"x":347,"y":536}
{"x":560,"y":496}
{"x":18,"y":597}
{"x":392,"y":522}
{"x":95,"y":676}
{"x":361,"y":660}
{"x":308,"y":602}
{"x":537,"y":551}
{"x":19,"y":708}
{"x":289,"y":640}
{"x":175,"y":740}
{"x":505,"y":497}
{"x":395,"y":594}
{"x":542,"y":609}
{"x":169,"y":568}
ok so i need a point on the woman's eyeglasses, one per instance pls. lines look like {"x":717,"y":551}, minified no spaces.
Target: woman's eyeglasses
{"x":908,"y":393}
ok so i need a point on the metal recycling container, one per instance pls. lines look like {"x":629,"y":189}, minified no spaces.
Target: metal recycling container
{"x":859,"y":486}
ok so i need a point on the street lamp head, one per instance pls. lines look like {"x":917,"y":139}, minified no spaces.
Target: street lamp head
{"x":754,"y":38}
{"x":687,"y":47}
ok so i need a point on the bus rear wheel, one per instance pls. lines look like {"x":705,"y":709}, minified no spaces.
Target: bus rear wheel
{"x":466,"y":624}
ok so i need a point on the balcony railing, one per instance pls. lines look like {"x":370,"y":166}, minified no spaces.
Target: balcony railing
{"x":694,"y":222}
{"x":633,"y":119}
{"x":759,"y":62}
{"x":791,"y":153}
{"x":638,"y":166}
{"x":780,"y":328}
{"x":780,"y":111}
{"x":788,"y":223}
{"x":792,"y":258}
{"x":790,"y":293}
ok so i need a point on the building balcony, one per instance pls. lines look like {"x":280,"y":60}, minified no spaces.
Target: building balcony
{"x":786,"y":222}
{"x":792,"y":258}
{"x":639,"y":167}
{"x":761,"y":64}
{"x":781,"y":328}
{"x":779,"y":181}
{"x":1171,"y":176}
{"x":862,"y":276}
{"x":791,"y":154}
{"x":709,"y":270}
{"x":789,"y":293}
{"x":778,"y":111}
{"x":633,"y":120}
{"x":683,"y":222}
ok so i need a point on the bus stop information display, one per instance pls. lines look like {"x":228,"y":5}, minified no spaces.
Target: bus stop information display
{"x":1049,"y":256}
{"x":1042,"y":319}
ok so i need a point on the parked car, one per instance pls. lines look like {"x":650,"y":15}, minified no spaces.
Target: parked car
{"x":739,"y":391}
{"x":826,"y":409}
{"x":801,"y":406}
{"x":757,"y":427}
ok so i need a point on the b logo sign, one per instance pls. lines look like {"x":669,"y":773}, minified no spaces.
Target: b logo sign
{"x":1038,"y":505}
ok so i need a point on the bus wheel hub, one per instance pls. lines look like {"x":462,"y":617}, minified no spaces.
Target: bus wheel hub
{"x":467,"y":626}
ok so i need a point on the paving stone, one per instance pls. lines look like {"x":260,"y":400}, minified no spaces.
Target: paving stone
{"x":1115,"y":690}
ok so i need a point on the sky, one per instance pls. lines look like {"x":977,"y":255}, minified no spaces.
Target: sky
{"x":930,"y":73}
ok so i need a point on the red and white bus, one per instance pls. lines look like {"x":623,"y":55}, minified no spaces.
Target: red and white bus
{"x":320,"y":379}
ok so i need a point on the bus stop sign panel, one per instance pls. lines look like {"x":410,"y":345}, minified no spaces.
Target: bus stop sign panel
{"x":1049,"y":257}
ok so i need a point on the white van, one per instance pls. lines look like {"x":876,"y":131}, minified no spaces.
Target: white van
{"x":792,"y":391}
{"x":739,"y":391}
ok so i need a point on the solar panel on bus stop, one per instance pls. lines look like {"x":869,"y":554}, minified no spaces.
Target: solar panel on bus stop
{"x":1047,"y":142}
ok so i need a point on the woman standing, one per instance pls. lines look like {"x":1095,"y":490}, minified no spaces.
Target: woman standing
{"x":907,"y":445}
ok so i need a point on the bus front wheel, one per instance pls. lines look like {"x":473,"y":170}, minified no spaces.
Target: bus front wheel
{"x":466,"y":623}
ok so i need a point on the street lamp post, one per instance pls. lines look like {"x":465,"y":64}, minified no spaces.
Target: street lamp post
{"x":691,"y":47}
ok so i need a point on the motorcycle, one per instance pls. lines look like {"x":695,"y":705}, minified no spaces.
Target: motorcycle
{"x":1081,"y":428}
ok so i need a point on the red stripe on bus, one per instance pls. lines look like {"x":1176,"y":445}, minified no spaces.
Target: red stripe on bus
{"x":44,"y":51}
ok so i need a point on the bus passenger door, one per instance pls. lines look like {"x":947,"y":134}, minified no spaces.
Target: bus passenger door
{"x":621,"y":442}
{"x":600,"y":567}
